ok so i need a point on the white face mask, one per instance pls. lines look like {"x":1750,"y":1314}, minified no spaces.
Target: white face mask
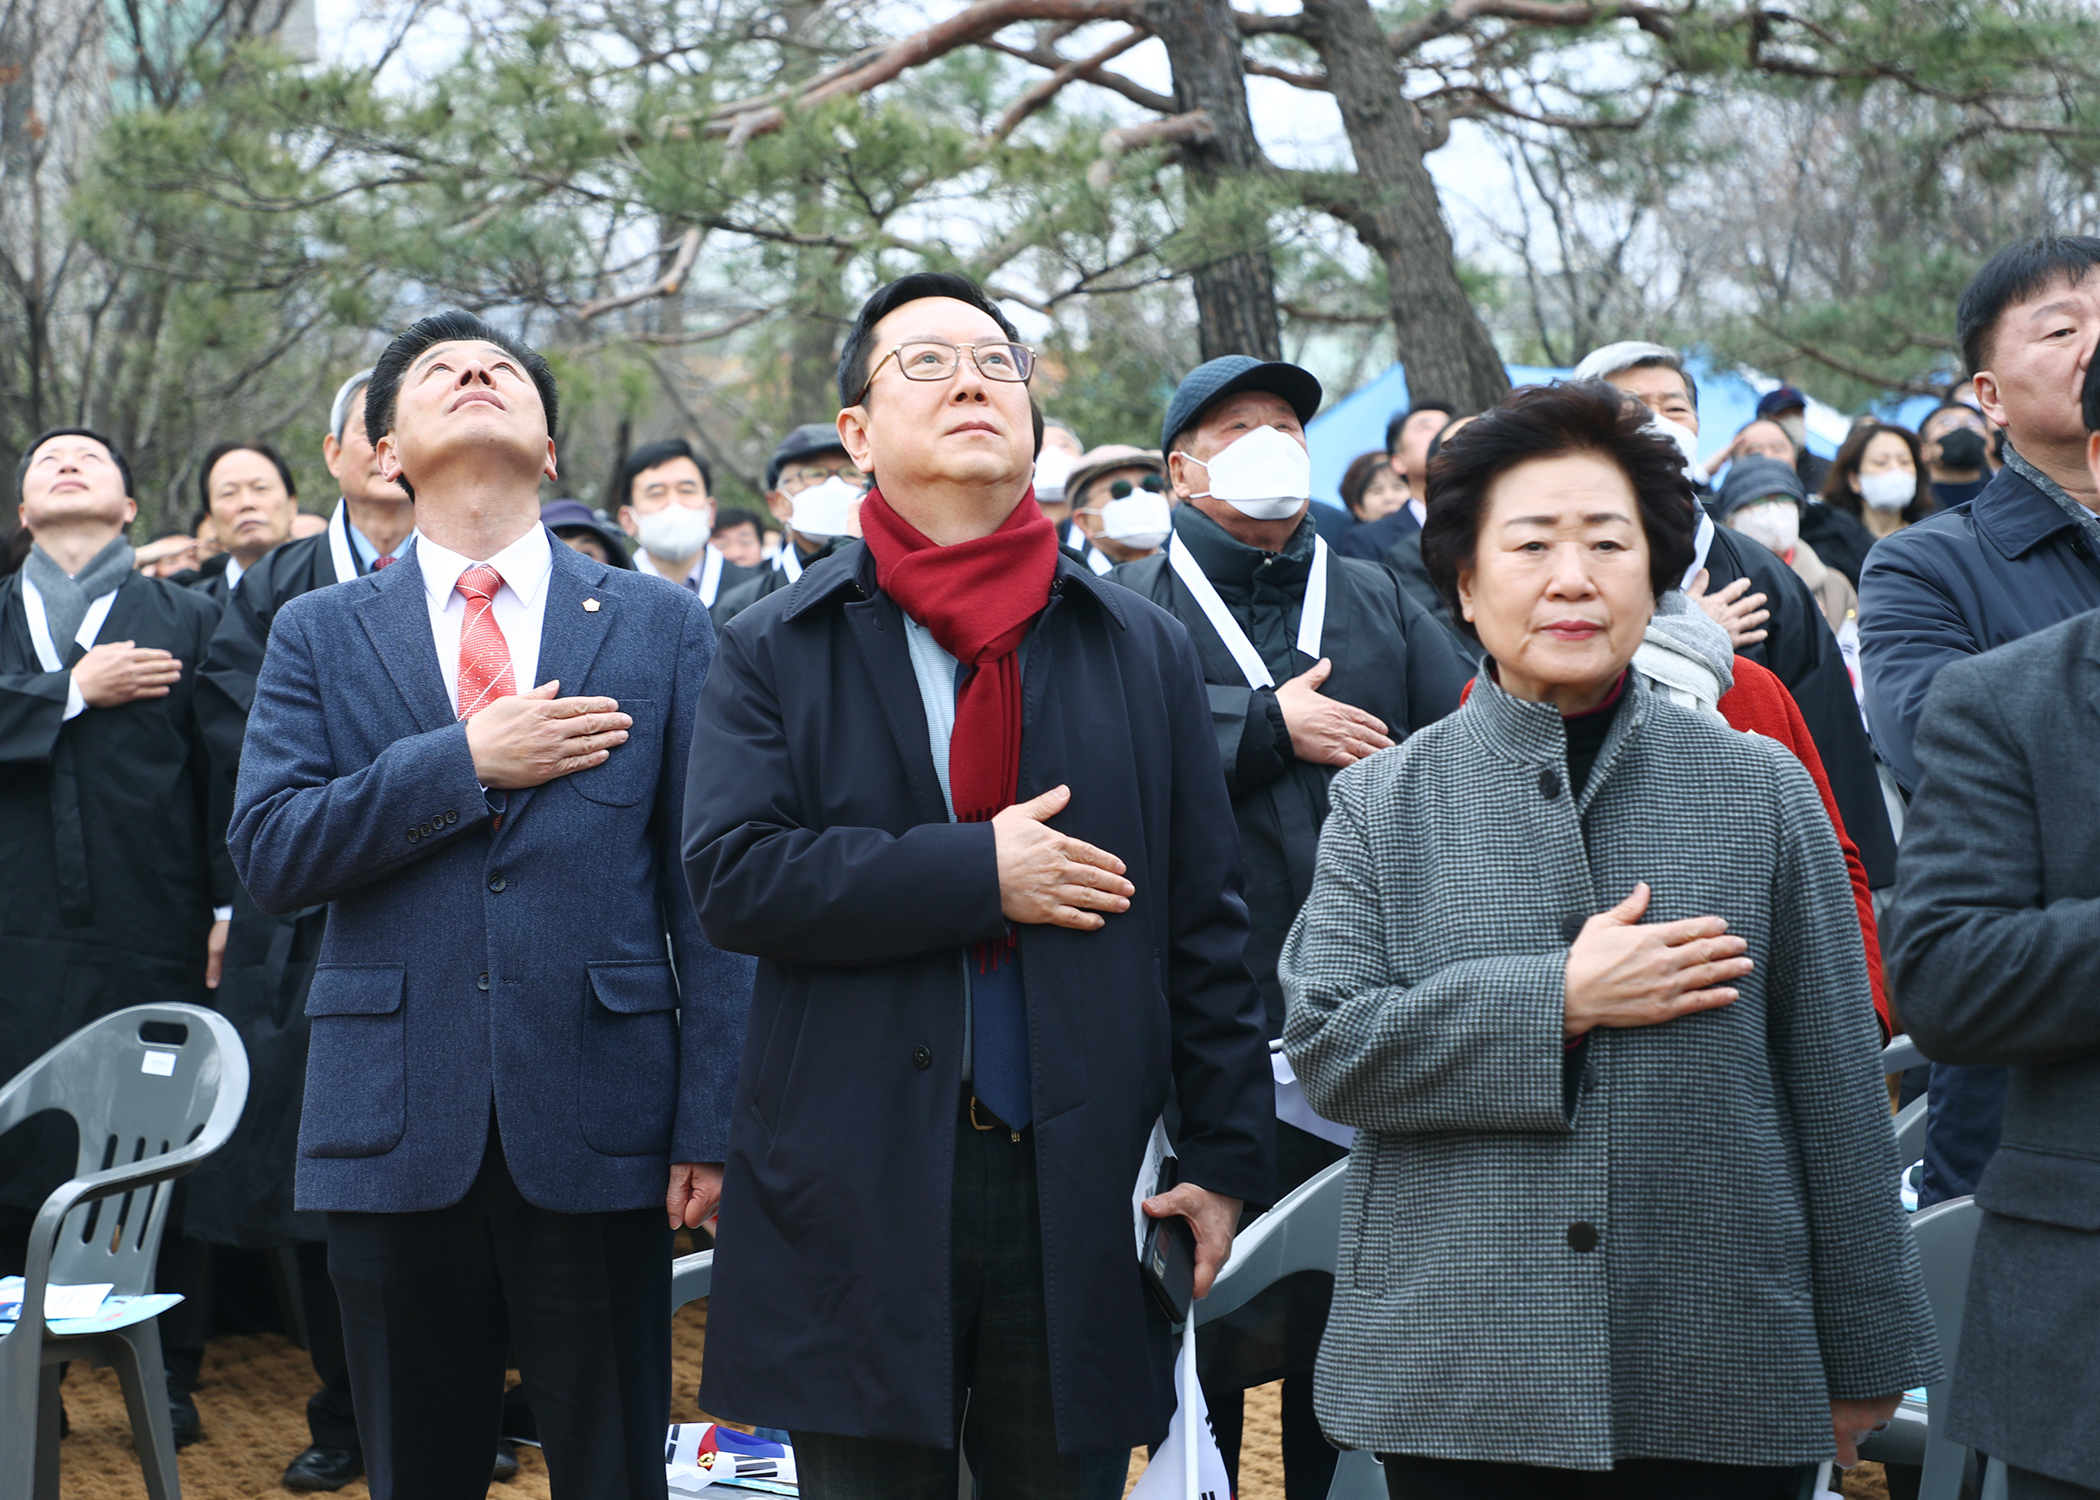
{"x":1051,"y":470}
{"x":677,"y":531}
{"x":825,"y":510}
{"x":1776,"y":523}
{"x":1265,"y":474}
{"x":1891,"y":489}
{"x":1140,"y":520}
{"x":1687,"y":442}
{"x":1794,"y":425}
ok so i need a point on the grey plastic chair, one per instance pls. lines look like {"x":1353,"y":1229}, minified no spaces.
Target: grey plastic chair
{"x":1946,"y":1235}
{"x":1302,"y":1233}
{"x":1900,"y":1055}
{"x":1910,"y":1130}
{"x":153,"y":1091}
{"x":692,"y":1276}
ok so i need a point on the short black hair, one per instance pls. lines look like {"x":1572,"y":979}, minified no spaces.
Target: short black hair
{"x":856,"y":358}
{"x":1545,"y":421}
{"x":1399,"y":418}
{"x":726,"y":520}
{"x":1838,"y":493}
{"x":2090,"y":403}
{"x":2013,"y":275}
{"x":220,"y":450}
{"x":116,"y":455}
{"x":449,"y":327}
{"x":654,"y":455}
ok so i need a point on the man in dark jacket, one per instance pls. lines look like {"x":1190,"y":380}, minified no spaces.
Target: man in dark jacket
{"x":806,"y":461}
{"x":1996,"y":952}
{"x":2020,"y":557}
{"x":960,"y":798}
{"x":1408,"y":439}
{"x":1797,"y":643}
{"x":1311,"y":662}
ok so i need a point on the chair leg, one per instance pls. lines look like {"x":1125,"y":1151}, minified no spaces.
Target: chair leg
{"x":45,"y":1485}
{"x":135,"y":1352}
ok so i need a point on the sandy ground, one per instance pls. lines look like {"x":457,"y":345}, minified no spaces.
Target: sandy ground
{"x":253,"y":1401}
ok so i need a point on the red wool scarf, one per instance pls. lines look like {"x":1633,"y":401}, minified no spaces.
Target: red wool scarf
{"x":978,"y":598}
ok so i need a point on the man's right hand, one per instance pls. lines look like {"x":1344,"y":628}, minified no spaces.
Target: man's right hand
{"x":1045,"y":877}
{"x":1327,"y":731}
{"x":1622,"y":974}
{"x":1736,"y":610}
{"x":120,"y":672}
{"x":531,"y":738}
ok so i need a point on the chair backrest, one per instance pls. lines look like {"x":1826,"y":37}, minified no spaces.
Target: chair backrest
{"x":1900,"y":1055}
{"x":1302,"y":1233}
{"x":1946,"y":1235}
{"x":139,"y":1084}
{"x":1910,"y":1130}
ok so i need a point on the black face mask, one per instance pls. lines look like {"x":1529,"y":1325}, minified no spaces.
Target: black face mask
{"x":1962,"y":449}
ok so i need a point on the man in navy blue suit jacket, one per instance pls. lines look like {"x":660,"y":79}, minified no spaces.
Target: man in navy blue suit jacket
{"x":523,"y":1049}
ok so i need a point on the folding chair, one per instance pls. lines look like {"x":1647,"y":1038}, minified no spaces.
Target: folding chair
{"x":153,"y":1091}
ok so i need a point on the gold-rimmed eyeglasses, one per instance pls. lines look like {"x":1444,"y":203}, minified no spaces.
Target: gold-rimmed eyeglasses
{"x":936,"y":359}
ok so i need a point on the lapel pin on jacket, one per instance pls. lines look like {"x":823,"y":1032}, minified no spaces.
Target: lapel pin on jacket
{"x":590,"y":606}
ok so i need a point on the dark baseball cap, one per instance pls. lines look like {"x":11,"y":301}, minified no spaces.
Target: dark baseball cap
{"x":1758,"y":478}
{"x":560,"y":516}
{"x":1779,"y":399}
{"x":1215,"y":379}
{"x":810,"y":438}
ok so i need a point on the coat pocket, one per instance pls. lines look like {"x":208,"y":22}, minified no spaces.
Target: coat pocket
{"x":627,"y":1089}
{"x":2046,"y":1186}
{"x":629,"y":772}
{"x":356,"y":1061}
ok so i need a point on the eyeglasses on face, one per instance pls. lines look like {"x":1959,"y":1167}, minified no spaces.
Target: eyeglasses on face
{"x":804,"y":478}
{"x":936,"y":359}
{"x":1119,"y":489}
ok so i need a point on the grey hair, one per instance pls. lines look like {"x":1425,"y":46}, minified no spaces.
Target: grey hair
{"x":346,"y":394}
{"x":1634,"y":354}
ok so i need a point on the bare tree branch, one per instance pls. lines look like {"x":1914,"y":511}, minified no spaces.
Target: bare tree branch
{"x":1193,"y":126}
{"x":1042,"y":92}
{"x":1044,"y":57}
{"x":667,"y":286}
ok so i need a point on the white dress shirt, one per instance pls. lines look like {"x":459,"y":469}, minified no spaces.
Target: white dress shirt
{"x":47,"y":650}
{"x":703,"y":578}
{"x":520,"y":604}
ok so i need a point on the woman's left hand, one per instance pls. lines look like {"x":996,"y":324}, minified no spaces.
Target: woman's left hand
{"x":1852,"y":1420}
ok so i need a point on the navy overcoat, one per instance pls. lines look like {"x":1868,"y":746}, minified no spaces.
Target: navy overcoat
{"x":817,"y":839}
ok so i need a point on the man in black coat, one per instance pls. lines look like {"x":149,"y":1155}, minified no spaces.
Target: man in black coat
{"x":114,"y":875}
{"x":1995,"y":950}
{"x":1409,"y":441}
{"x":1311,"y":661}
{"x":998,"y":917}
{"x":2020,"y":557}
{"x":806,"y":460}
{"x":243,"y":1196}
{"x":1796,"y":643}
{"x":248,"y":491}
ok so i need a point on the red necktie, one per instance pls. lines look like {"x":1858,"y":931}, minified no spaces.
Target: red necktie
{"x":484,"y":656}
{"x":379,"y":563}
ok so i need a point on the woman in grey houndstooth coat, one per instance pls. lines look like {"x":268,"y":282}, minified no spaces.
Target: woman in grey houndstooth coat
{"x":1582,"y":968}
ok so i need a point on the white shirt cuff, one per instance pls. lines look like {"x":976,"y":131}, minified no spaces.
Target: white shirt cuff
{"x":76,"y":705}
{"x":222,"y":914}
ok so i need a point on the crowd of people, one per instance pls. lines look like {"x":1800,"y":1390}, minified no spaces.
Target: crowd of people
{"x":1555,"y":832}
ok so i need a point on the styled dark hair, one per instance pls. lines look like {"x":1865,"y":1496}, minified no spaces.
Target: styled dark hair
{"x":1838,"y":493}
{"x":220,"y":450}
{"x":1399,"y":418}
{"x":449,"y":327}
{"x":1545,"y":421}
{"x":116,"y":455}
{"x":1357,"y":478}
{"x":654,"y":455}
{"x":859,"y":353}
{"x":2014,"y":274}
{"x":728,"y":519}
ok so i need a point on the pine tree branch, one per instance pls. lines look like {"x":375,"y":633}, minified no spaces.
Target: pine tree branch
{"x":1042,"y":92}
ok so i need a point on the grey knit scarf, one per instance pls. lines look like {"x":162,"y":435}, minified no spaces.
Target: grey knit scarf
{"x":68,"y":595}
{"x":2086,"y":520}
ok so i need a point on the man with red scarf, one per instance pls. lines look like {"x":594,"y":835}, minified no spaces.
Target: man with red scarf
{"x":962,"y":800}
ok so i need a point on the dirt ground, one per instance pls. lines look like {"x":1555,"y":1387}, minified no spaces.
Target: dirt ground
{"x":253,"y":1401}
